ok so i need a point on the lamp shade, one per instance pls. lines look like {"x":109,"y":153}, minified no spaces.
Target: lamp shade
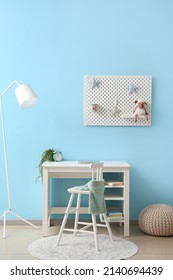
{"x":25,"y":96}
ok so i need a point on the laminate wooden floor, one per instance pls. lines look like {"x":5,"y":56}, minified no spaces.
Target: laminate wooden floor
{"x":14,"y":247}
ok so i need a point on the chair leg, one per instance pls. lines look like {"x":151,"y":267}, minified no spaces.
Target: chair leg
{"x":77,"y":213}
{"x":65,"y":219}
{"x":101,"y":218}
{"x":48,"y":221}
{"x":108,"y":227}
{"x":95,"y":231}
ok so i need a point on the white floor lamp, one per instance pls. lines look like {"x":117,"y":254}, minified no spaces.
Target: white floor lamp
{"x":26,"y":99}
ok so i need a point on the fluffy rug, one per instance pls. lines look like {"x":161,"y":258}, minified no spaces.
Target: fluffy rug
{"x":82,"y":247}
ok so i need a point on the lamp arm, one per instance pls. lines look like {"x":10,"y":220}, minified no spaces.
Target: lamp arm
{"x":5,"y":155}
{"x":4,"y":142}
{"x":14,"y":82}
{"x":4,"y":139}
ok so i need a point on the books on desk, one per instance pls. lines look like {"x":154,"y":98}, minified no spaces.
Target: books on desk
{"x":115,"y":216}
{"x":88,"y":162}
{"x":85,"y":162}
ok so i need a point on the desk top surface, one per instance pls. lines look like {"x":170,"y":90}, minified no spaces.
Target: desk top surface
{"x":80,"y":164}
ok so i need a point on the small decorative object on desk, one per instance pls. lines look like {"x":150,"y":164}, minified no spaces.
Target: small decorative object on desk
{"x":49,"y":155}
{"x":88,"y":162}
{"x":57,"y":155}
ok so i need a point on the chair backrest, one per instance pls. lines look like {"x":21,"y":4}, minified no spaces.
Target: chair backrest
{"x":97,"y":170}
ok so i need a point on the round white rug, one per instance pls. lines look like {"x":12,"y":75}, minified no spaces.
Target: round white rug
{"x":82,"y":247}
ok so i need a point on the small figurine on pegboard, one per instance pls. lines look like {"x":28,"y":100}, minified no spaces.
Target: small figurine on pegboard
{"x":140,"y":109}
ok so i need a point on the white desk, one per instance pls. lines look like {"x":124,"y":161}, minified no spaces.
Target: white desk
{"x":72,"y":169}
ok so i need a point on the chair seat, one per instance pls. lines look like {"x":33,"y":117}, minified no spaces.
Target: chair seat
{"x":77,"y":191}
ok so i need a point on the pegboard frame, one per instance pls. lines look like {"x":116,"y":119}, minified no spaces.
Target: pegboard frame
{"x":109,"y":100}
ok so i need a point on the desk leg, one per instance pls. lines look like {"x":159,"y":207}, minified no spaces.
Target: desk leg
{"x":126,"y":203}
{"x":45,"y":202}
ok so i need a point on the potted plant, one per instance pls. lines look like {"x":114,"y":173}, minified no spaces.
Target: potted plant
{"x":48,"y":155}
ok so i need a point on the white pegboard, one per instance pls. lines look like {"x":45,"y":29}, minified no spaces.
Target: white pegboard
{"x":113,"y":92}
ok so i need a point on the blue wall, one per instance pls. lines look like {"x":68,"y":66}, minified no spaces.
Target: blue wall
{"x":51,"y":45}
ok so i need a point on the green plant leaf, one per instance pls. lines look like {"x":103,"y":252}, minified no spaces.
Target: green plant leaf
{"x":46,"y":156}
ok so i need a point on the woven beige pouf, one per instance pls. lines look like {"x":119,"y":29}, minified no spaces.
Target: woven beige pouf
{"x":157,"y":219}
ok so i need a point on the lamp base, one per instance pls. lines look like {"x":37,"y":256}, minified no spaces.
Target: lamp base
{"x":8,"y":211}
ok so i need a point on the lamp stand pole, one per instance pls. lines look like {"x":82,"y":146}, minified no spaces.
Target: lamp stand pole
{"x":8,"y":210}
